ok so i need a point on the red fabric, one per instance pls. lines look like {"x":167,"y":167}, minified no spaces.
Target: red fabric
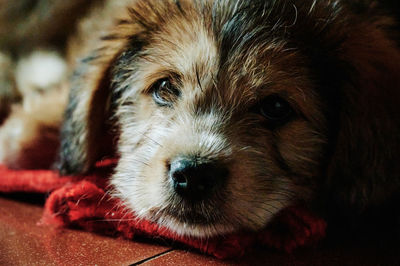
{"x":83,"y":202}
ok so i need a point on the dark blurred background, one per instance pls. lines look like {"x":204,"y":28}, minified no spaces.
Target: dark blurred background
{"x":29,"y":23}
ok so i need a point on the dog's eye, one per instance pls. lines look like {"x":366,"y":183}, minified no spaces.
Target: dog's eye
{"x":164,"y":93}
{"x":275,"y":109}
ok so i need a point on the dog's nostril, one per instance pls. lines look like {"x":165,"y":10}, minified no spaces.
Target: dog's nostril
{"x":180,"y":180}
{"x":178,"y":171}
{"x":194,"y":181}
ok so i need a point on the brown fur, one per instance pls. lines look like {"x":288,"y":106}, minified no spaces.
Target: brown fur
{"x":334,"y":64}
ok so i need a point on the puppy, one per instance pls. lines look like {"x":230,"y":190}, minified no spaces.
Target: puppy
{"x":224,"y":112}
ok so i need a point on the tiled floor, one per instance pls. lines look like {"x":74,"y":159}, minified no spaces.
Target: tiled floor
{"x":25,"y":242}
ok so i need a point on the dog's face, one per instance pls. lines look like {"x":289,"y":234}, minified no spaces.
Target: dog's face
{"x":220,"y":120}
{"x":210,"y":144}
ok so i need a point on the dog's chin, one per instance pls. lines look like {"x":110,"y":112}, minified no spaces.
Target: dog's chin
{"x":197,"y":220}
{"x":196,"y":226}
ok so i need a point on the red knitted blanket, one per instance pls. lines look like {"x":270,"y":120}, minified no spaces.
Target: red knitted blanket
{"x":82,"y":201}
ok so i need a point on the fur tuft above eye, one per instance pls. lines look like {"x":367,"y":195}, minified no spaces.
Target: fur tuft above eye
{"x":275,"y":109}
{"x":164,"y":93}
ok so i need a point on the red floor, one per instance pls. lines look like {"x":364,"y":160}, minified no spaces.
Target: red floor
{"x":24,"y":242}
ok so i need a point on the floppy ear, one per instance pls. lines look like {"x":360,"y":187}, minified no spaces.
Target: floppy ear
{"x":85,"y":134}
{"x":364,"y":171}
{"x":85,"y":122}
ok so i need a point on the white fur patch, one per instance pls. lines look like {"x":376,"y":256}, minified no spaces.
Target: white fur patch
{"x":40,"y":71}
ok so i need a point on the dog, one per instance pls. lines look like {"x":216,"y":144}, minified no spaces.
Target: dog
{"x":224,"y":112}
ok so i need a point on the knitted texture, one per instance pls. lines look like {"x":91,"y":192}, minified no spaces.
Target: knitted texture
{"x":83,"y":202}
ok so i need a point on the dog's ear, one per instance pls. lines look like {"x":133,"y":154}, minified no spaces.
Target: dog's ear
{"x":364,"y":169}
{"x":85,"y":133}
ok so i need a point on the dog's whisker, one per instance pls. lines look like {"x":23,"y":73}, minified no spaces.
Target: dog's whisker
{"x":198,"y":78}
{"x":154,"y":141}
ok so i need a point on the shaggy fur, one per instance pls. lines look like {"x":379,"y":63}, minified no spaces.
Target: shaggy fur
{"x":332,"y":65}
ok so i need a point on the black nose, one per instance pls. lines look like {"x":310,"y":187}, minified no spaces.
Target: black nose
{"x":196,"y":181}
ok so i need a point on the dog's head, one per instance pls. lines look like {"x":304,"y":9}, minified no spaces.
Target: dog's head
{"x":225,"y":111}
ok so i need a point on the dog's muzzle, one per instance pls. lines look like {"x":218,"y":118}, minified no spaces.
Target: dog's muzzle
{"x":195,"y":181}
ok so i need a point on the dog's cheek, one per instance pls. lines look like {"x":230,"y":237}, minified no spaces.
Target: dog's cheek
{"x":140,"y":174}
{"x":137,"y":182}
{"x":254,"y":191}
{"x":134,"y":122}
{"x":301,"y":148}
{"x":258,"y":187}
